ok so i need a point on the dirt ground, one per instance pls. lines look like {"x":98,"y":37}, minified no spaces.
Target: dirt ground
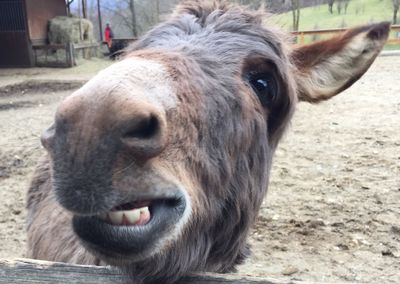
{"x":332,"y":213}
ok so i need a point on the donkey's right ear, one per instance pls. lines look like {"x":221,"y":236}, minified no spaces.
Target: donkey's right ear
{"x":326,"y":68}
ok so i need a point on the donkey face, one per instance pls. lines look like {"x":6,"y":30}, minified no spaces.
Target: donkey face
{"x":164,"y":157}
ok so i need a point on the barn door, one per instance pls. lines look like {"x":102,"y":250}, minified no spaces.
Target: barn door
{"x":14,"y":42}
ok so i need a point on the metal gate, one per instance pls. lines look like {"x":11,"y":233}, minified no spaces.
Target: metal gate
{"x":14,"y":41}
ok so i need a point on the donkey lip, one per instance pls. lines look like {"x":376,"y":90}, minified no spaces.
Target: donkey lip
{"x":117,"y":241}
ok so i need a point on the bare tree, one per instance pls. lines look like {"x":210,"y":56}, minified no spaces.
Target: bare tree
{"x":84,"y":9}
{"x":330,"y":6}
{"x":342,"y":5}
{"x":100,"y":20}
{"x":136,"y":15}
{"x":396,"y":6}
{"x":346,"y":5}
{"x":125,"y":11}
{"x":339,"y":6}
{"x":132,"y":20}
{"x":68,"y":3}
{"x":158,"y":10}
{"x":295,"y":6}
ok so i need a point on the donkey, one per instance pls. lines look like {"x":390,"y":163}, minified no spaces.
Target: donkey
{"x":159,"y":164}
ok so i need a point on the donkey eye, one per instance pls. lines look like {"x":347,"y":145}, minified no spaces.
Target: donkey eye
{"x":264,"y":85}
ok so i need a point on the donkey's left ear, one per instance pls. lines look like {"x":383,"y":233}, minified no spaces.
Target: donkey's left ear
{"x":326,"y":68}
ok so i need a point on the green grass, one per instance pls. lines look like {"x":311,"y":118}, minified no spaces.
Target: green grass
{"x":359,"y":12}
{"x":392,"y":47}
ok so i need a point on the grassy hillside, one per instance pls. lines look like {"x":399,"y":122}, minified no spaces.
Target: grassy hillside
{"x":358,"y":12}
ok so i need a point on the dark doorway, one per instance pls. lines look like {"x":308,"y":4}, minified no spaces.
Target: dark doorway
{"x":14,"y":42}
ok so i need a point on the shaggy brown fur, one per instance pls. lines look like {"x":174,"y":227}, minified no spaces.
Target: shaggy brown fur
{"x":217,"y":143}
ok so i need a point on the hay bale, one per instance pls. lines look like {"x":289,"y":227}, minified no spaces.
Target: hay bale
{"x":64,"y":30}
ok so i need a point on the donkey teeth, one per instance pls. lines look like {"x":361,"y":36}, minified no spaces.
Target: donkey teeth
{"x":144,"y":210}
{"x":115,"y":217}
{"x":131,"y":216}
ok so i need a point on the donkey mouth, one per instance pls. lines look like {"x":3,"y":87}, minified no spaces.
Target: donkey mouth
{"x":129,"y":214}
{"x":131,"y":231}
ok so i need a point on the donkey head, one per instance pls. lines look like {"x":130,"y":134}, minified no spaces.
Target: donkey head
{"x":164,"y":157}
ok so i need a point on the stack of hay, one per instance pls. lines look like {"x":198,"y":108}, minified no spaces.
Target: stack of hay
{"x":64,"y":30}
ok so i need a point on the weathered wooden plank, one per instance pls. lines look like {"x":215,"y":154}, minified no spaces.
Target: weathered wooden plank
{"x":32,"y":271}
{"x":36,"y":271}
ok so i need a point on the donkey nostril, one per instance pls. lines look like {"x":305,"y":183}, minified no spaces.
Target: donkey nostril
{"x":145,"y":136}
{"x":144,"y":129}
{"x":47,"y":137}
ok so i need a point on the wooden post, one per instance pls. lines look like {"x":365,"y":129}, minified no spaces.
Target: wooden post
{"x":36,"y":271}
{"x":70,"y":54}
{"x":80,"y":21}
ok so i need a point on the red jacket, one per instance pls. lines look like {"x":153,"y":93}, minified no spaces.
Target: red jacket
{"x":108,"y":34}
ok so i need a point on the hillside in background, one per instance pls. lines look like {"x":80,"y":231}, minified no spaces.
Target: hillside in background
{"x":313,"y":15}
{"x":358,"y":12}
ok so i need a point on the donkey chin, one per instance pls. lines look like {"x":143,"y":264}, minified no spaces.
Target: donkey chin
{"x":125,"y":226}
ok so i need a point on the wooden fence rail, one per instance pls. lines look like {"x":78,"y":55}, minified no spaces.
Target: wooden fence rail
{"x":393,"y":39}
{"x":36,"y":271}
{"x":62,"y":55}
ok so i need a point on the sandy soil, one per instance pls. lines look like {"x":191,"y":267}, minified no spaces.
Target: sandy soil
{"x":333,"y":209}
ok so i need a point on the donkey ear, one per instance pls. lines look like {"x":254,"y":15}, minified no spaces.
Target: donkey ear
{"x":326,"y":68}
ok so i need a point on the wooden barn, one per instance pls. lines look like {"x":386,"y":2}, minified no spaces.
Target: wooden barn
{"x":23,"y":23}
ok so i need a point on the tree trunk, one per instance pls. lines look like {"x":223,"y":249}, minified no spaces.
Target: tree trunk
{"x":346,"y":5}
{"x":84,"y":9}
{"x":158,"y":10}
{"x":99,"y":17}
{"x":296,"y":14}
{"x":396,"y":4}
{"x":69,"y":2}
{"x":133,"y":13}
{"x":339,"y":7}
{"x":330,"y":6}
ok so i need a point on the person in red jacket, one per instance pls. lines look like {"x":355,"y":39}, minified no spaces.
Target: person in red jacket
{"x":108,"y":35}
